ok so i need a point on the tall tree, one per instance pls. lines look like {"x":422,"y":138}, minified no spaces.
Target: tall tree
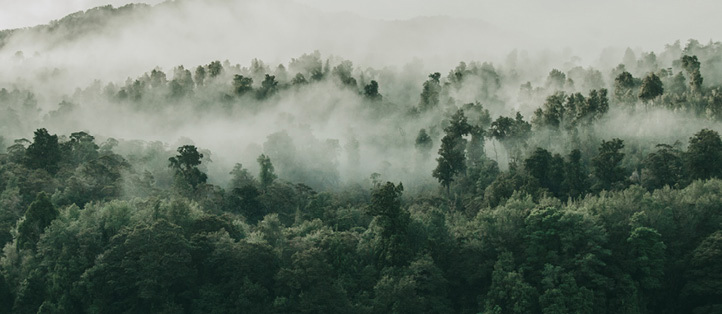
{"x":394,"y":221}
{"x":452,"y":154}
{"x":651,"y":87}
{"x":431,"y":92}
{"x":267,"y":174}
{"x":269,"y":86}
{"x":575,"y":182}
{"x":242,"y":84}
{"x":371,"y":91}
{"x":625,"y":86}
{"x":692,"y":65}
{"x":607,"y":165}
{"x":424,"y":143}
{"x":663,"y":167}
{"x":44,"y":152}
{"x":704,"y":155}
{"x":185,"y":165}
{"x":38,"y":217}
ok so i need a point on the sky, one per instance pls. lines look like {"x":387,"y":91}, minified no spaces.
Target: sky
{"x":646,"y":23}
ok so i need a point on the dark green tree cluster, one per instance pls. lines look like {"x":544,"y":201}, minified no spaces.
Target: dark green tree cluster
{"x":270,"y":246}
{"x":562,"y":111}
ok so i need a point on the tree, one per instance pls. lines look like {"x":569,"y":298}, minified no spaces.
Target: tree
{"x":702,"y":291}
{"x":186,"y":165}
{"x":38,"y":217}
{"x":431,"y":92}
{"x":44,"y":152}
{"x":512,"y":133}
{"x":269,"y":86}
{"x":452,"y":155}
{"x":646,"y":257}
{"x":343,"y":72}
{"x":371,"y":91}
{"x":625,"y":88}
{"x":200,"y":76}
{"x":509,"y":292}
{"x":151,"y":269}
{"x":240,"y":177}
{"x":423,"y":143}
{"x":267,"y":174}
{"x":81,"y":148}
{"x":215,"y":69}
{"x":575,"y":176}
{"x":607,"y":165}
{"x":547,"y":169}
{"x":665,"y":167}
{"x":562,"y":294}
{"x":555,"y":80}
{"x":651,"y":87}
{"x":242,"y":84}
{"x":451,"y":161}
{"x":704,"y":155}
{"x":246,"y":202}
{"x":691,"y":65}
{"x":393,"y":221}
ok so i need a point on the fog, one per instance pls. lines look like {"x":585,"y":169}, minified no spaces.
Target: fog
{"x":326,"y":132}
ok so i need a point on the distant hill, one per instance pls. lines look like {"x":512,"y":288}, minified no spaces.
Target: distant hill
{"x":119,"y":42}
{"x":76,"y":25}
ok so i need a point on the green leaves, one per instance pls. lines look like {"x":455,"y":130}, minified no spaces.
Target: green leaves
{"x":44,"y":152}
{"x":38,"y":217}
{"x":186,"y":165}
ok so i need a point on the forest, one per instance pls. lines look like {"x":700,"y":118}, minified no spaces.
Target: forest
{"x":534,"y":184}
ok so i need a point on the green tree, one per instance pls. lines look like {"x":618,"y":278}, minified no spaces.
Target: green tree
{"x":431,"y":92}
{"x":703,"y":291}
{"x":393,"y":221}
{"x":509,"y":292}
{"x":625,"y":86}
{"x":452,"y":154}
{"x":215,"y":69}
{"x":44,"y":152}
{"x":607,"y":165}
{"x":200,"y":76}
{"x":424,"y":143}
{"x":242,"y":85}
{"x":371,"y":91}
{"x":38,"y":217}
{"x":150,"y":267}
{"x":556,"y":79}
{"x":80,"y":149}
{"x":185,"y":165}
{"x":575,"y":182}
{"x":547,"y":169}
{"x":646,"y":257}
{"x":704,"y":155}
{"x":512,"y":133}
{"x":664,"y":167}
{"x":269,"y":86}
{"x":241,"y":177}
{"x":562,"y":294}
{"x":651,"y":88}
{"x":267,"y":174}
{"x":692,"y":66}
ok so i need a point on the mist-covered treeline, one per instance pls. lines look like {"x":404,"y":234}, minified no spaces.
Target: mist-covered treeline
{"x":532,"y":184}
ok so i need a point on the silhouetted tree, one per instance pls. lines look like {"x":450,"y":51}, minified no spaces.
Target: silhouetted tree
{"x":185,"y":165}
{"x":704,"y":155}
{"x":44,"y":152}
{"x":607,"y":165}
{"x":267,"y":174}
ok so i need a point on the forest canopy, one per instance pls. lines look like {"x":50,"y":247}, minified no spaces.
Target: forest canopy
{"x":321,"y":185}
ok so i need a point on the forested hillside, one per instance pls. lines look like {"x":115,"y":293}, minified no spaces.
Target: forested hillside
{"x":538,"y":184}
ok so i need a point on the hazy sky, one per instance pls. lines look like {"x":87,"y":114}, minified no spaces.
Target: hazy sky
{"x":643,"y":23}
